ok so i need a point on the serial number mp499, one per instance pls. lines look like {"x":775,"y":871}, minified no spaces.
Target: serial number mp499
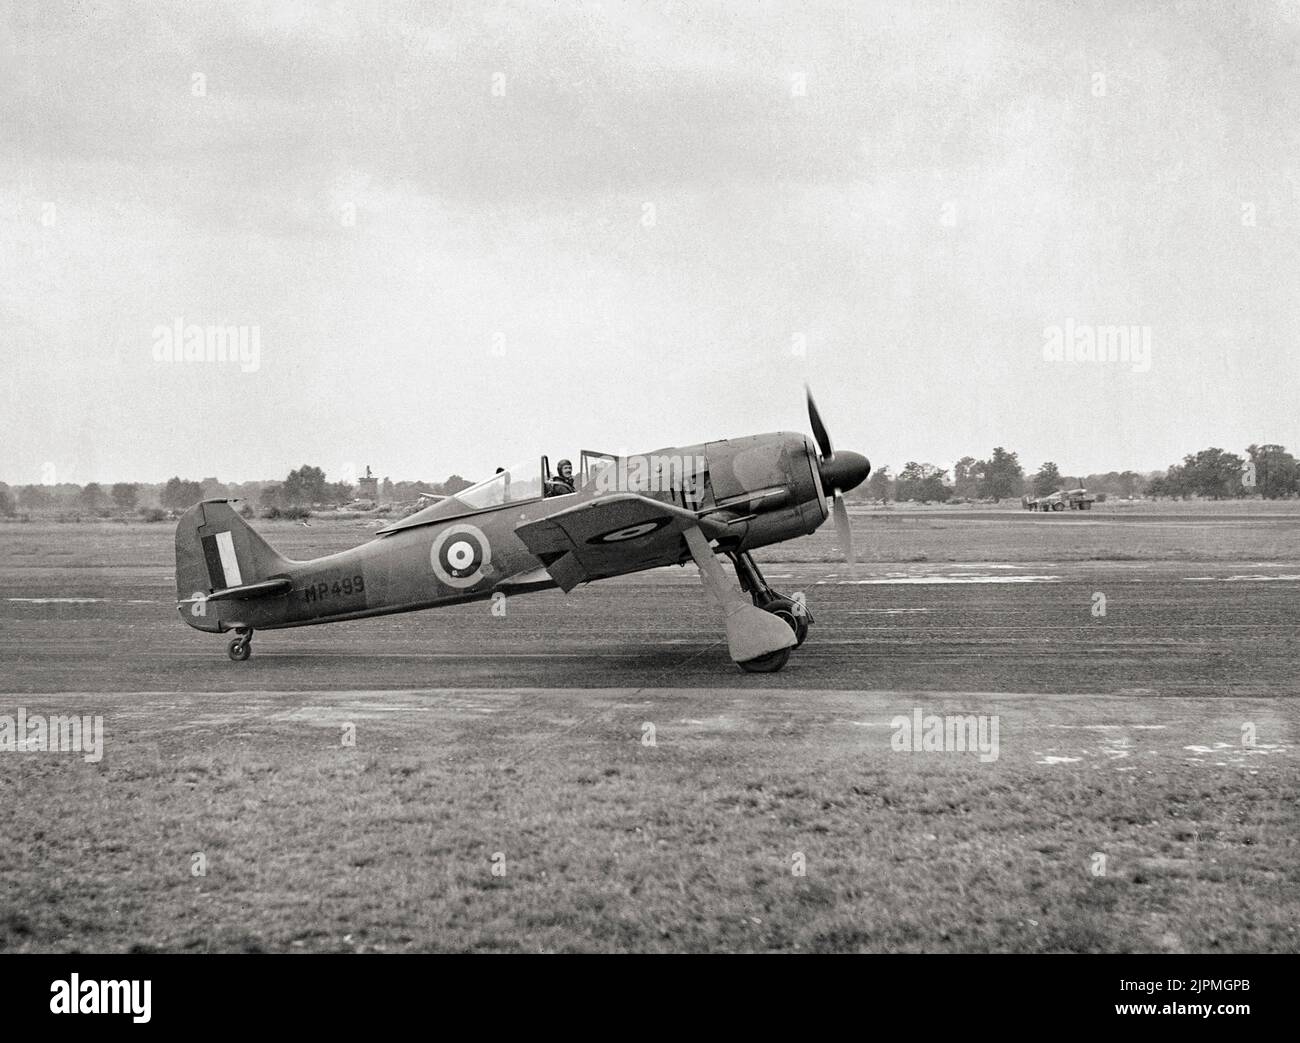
{"x":344,"y":587}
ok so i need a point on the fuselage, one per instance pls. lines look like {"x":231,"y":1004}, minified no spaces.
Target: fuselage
{"x":748,"y":492}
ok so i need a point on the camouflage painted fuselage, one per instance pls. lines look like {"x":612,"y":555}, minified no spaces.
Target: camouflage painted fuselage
{"x":742,"y":493}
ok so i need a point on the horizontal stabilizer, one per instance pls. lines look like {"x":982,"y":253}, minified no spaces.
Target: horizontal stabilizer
{"x":265,"y":589}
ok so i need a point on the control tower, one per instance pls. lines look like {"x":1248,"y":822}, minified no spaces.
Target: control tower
{"x":368,"y":486}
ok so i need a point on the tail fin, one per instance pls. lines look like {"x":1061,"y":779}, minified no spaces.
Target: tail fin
{"x":216,"y":550}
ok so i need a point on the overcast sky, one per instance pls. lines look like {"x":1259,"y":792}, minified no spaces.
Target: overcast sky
{"x":470,"y":233}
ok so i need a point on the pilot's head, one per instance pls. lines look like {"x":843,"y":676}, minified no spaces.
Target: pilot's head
{"x":565,"y":469}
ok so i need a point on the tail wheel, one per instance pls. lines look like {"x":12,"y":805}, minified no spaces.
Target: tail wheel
{"x":766,"y":664}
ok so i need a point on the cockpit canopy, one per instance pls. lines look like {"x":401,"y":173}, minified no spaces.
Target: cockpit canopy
{"x":527,"y":481}
{"x":520,"y":482}
{"x":524,"y":481}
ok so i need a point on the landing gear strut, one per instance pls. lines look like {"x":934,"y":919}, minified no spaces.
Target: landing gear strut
{"x":241,"y":646}
{"x":793,"y":611}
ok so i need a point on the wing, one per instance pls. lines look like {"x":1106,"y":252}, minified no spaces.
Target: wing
{"x":611,"y":535}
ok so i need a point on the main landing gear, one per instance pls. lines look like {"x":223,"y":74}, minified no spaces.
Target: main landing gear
{"x":790,"y":610}
{"x":241,"y":646}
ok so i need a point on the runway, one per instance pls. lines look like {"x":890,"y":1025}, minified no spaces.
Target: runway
{"x":1211,"y":629}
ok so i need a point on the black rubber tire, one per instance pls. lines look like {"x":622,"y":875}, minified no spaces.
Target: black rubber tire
{"x":766,"y":664}
{"x":239,"y":649}
{"x":796,"y":623}
{"x":1058,"y":506}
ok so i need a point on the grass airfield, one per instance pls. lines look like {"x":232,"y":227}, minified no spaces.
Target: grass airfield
{"x":499,"y":792}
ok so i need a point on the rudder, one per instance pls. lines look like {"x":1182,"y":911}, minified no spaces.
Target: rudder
{"x":216,"y":550}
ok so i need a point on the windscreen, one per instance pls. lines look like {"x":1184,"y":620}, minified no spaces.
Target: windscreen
{"x":520,"y":482}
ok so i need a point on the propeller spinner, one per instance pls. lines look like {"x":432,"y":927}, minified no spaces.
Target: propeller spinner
{"x":839,"y":472}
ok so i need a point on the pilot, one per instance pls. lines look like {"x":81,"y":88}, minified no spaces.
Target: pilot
{"x":562,"y":483}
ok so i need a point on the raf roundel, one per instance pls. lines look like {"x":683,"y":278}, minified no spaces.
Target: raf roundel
{"x":459,"y":555}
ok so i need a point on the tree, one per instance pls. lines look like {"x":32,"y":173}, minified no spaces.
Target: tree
{"x":405,"y":492}
{"x":1113,"y":483}
{"x":35,"y":497}
{"x":1277,"y":473}
{"x":305,"y":485}
{"x":181,"y":493}
{"x":92,"y":496}
{"x":454,"y":484}
{"x":878,"y":485}
{"x":1213,"y":473}
{"x":125,"y":495}
{"x":245,"y":490}
{"x":1047,"y":480}
{"x":213,"y":489}
{"x":1172,"y":483}
{"x":8,"y":508}
{"x":338,"y":492}
{"x":965,"y":477}
{"x":923,"y":482}
{"x":1002,"y":477}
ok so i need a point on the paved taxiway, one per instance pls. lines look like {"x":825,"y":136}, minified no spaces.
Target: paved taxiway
{"x":1169,"y":628}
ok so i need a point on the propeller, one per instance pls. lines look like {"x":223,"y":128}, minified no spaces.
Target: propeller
{"x":839,"y":472}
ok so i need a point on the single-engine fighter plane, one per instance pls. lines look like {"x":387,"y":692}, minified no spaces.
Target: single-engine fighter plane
{"x":523,"y":530}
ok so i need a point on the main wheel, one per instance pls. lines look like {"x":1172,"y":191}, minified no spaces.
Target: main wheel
{"x":766,"y":664}
{"x":796,"y":621}
{"x":239,"y":649}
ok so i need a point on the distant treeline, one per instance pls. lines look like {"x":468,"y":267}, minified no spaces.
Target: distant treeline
{"x":306,"y":486}
{"x":1267,"y":471}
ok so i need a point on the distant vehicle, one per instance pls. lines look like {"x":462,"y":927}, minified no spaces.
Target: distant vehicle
{"x":1074,"y":499}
